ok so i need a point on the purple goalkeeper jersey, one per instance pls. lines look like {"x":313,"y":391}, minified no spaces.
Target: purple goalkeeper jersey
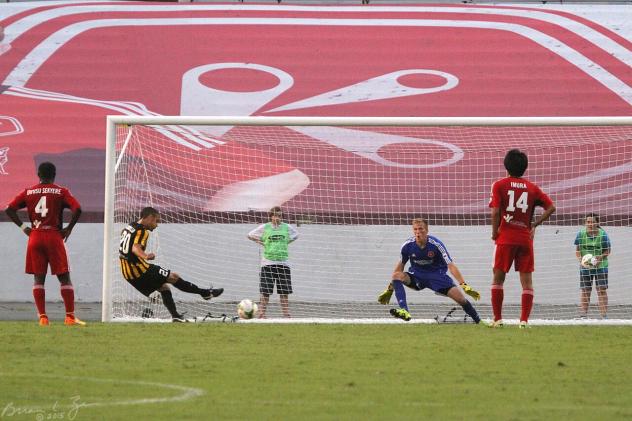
{"x":433,"y":258}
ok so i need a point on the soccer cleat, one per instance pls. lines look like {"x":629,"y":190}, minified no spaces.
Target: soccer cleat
{"x":179,"y":318}
{"x":385,"y":296}
{"x":524,"y":325}
{"x":43,"y":320}
{"x":73,"y":321}
{"x":212,"y":292}
{"x":496,"y":324}
{"x":401,"y":313}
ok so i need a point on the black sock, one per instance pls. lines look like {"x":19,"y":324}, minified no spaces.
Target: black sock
{"x":471,"y":311}
{"x":167,"y":300}
{"x":186,"y":286}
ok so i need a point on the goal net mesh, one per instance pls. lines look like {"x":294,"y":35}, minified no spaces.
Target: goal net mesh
{"x":351,"y":193}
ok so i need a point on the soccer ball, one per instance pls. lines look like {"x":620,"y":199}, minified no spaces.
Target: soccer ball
{"x":246,"y":309}
{"x":589,"y":261}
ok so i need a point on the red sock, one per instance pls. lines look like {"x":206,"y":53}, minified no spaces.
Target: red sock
{"x":68,"y":294}
{"x":527,"y":304}
{"x":498,"y":294}
{"x":39,"y":293}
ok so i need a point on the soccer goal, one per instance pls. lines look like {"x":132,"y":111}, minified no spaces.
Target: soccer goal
{"x":350,"y":187}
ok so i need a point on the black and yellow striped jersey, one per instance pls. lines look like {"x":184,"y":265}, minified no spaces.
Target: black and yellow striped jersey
{"x":132,"y":266}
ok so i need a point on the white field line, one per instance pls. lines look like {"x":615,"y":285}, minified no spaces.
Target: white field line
{"x":186,"y":393}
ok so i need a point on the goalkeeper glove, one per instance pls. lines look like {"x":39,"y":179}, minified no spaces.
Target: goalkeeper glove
{"x":469,"y":291}
{"x":385,"y":296}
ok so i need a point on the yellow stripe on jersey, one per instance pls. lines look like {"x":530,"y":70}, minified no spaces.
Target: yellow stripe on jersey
{"x":135,"y":271}
{"x":125,"y":269}
{"x":143,"y":242}
{"x":142,"y":269}
{"x":137,"y":237}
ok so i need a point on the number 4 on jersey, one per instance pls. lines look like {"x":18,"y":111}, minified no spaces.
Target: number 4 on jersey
{"x":521,"y":204}
{"x":41,"y":207}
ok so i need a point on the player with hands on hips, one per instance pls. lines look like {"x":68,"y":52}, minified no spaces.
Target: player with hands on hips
{"x":513,"y":202}
{"x":45,"y":203}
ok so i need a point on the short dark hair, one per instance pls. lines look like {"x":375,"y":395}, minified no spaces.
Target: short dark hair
{"x":516,"y":162}
{"x":592,"y":215}
{"x":275,"y":210}
{"x":46,"y":171}
{"x":148,"y":211}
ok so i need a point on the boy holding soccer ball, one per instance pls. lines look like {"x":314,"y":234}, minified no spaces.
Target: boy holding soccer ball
{"x":593,"y":241}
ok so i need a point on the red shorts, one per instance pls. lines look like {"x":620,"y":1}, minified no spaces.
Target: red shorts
{"x":522,"y":255}
{"x":46,"y":247}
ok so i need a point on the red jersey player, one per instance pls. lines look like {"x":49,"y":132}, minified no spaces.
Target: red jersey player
{"x":513,"y":203}
{"x":45,"y":203}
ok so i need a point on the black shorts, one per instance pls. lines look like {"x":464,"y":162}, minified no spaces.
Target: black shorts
{"x":586,"y":277}
{"x":279,"y":274}
{"x":150,"y":281}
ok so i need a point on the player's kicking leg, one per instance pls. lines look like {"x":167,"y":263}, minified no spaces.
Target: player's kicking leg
{"x":182,"y":285}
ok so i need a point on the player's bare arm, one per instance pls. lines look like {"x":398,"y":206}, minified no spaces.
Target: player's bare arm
{"x":139,"y":252}
{"x":399,"y":268}
{"x":66,"y":231}
{"x":495,"y":222}
{"x":255,"y":239}
{"x":13,"y":215}
{"x":456,"y":273}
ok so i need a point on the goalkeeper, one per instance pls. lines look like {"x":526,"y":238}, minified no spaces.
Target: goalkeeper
{"x":429,"y":263}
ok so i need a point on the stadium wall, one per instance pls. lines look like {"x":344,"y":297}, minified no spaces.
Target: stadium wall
{"x":469,"y":246}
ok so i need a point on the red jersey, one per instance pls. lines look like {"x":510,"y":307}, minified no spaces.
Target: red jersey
{"x":516,"y":198}
{"x":45,"y":204}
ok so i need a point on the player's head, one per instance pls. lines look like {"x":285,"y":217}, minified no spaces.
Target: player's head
{"x":420,"y":228}
{"x":149,"y":218}
{"x":592,"y":222}
{"x":275,"y":214}
{"x":47,"y":171}
{"x":516,"y":162}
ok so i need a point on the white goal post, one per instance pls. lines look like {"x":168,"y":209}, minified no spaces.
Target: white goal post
{"x":350,"y":186}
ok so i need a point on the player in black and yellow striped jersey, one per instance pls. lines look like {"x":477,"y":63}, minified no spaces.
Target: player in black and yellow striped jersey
{"x":132,"y":266}
{"x":147,"y":277}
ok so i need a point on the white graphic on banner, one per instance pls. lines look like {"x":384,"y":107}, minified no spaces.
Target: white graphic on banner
{"x":382,"y":87}
{"x":4,"y":158}
{"x":199,"y":99}
{"x":10,"y":126}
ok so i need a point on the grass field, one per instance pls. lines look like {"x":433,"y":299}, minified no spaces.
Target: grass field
{"x":279,"y":372}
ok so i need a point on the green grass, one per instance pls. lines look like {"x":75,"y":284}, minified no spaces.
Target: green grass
{"x":318,"y":371}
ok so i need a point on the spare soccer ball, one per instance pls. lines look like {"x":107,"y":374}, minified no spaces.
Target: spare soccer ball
{"x":589,"y":261}
{"x":246,"y":309}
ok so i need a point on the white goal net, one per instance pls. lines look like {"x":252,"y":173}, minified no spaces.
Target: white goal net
{"x":350,"y":187}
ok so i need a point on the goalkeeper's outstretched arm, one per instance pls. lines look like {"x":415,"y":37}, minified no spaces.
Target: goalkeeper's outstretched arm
{"x":456,"y":273}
